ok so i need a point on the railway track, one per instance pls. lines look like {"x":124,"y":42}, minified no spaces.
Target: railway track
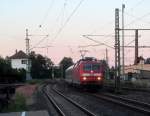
{"x":129,"y":103}
{"x":80,"y":110}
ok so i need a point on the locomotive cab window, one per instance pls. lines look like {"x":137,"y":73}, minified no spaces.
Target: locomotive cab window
{"x":96,"y":67}
{"x":87,"y":67}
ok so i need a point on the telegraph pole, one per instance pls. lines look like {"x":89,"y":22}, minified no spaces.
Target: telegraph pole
{"x":28,"y":66}
{"x":106,"y":56}
{"x":123,"y":6}
{"x":136,"y":46}
{"x":107,"y":71}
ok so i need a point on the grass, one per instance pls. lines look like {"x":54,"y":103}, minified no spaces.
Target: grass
{"x":35,"y":81}
{"x":17,"y":105}
{"x":142,"y":83}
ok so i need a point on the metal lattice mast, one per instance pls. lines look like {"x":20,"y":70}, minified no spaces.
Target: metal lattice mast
{"x":123,"y":63}
{"x":117,"y":51}
{"x":28,"y":76}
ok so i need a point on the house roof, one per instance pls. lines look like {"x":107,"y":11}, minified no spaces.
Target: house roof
{"x":19,"y":55}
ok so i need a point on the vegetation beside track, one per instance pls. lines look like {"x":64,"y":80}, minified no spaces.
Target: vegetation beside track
{"x":35,"y":81}
{"x":16,"y":105}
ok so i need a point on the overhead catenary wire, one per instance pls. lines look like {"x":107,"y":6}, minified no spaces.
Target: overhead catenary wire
{"x":41,"y":25}
{"x":60,"y":32}
{"x":135,"y":17}
{"x":136,"y":5}
{"x":43,"y":46}
{"x":63,"y":11}
{"x":133,"y":21}
{"x":138,"y":18}
{"x":67,"y":20}
{"x":44,"y":18}
{"x":47,"y":13}
{"x":98,"y":42}
{"x":65,"y":23}
{"x":35,"y":46}
{"x":107,"y":35}
{"x":130,"y":42}
{"x":103,"y":26}
{"x":62,"y":29}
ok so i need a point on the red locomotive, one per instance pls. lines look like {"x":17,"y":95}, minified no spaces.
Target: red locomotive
{"x":87,"y":72}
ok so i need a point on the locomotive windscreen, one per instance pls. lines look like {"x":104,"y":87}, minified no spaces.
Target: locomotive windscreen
{"x":89,"y":67}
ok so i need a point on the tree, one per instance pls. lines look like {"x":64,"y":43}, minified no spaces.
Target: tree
{"x":104,"y":64}
{"x":41,"y":67}
{"x":140,"y":58}
{"x":5,"y":67}
{"x":9,"y":75}
{"x":112,"y":72}
{"x":105,"y":68}
{"x":57,"y":71}
{"x":65,"y":63}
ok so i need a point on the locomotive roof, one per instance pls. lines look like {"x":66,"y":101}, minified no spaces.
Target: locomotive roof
{"x":89,"y":59}
{"x":85,"y":60}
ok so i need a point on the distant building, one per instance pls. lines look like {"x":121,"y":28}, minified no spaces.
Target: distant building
{"x":140,"y":70}
{"x":19,"y":60}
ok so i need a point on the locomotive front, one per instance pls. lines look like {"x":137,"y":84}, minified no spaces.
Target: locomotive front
{"x":91,"y":73}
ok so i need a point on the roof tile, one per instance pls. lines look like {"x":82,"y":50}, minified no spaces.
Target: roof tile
{"x":19,"y":55}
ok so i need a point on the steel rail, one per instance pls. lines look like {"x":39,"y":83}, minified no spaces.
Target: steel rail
{"x":89,"y":113}
{"x":50,"y":98}
{"x":129,"y":100}
{"x":132,"y":104}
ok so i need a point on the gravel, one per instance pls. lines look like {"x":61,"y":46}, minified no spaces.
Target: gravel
{"x":95,"y":105}
{"x":139,"y":96}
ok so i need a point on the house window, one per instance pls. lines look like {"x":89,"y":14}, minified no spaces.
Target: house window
{"x":23,"y":61}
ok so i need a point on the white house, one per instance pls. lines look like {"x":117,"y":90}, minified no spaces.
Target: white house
{"x":19,"y":60}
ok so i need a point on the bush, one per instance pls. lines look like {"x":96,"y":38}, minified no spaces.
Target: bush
{"x":35,"y":81}
{"x":19,"y":104}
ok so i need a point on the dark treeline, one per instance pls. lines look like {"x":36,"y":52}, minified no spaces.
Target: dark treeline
{"x":9,"y":75}
{"x":41,"y":68}
{"x":64,"y":64}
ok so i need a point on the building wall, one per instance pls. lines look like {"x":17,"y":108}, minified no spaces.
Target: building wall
{"x":18,"y":63}
{"x":141,"y":71}
{"x":135,"y":68}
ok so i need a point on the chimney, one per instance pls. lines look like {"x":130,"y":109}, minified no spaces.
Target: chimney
{"x":16,"y":51}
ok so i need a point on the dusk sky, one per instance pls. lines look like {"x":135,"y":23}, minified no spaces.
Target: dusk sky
{"x":65,"y":21}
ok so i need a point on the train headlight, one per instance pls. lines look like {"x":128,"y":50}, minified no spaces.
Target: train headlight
{"x":84,"y":78}
{"x":99,"y":78}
